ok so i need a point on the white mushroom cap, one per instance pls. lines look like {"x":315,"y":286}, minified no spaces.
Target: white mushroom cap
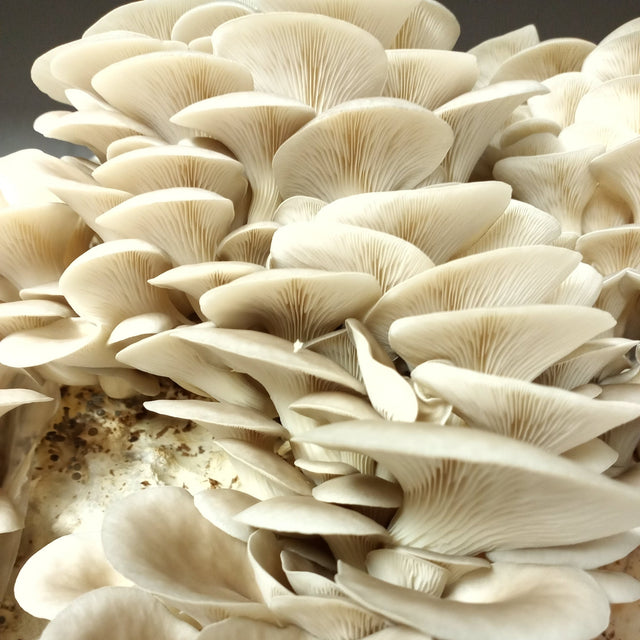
{"x":62,"y":571}
{"x":546,"y":59}
{"x":152,"y":17}
{"x":554,"y":419}
{"x":429,"y":26}
{"x":612,"y":103}
{"x":502,"y":277}
{"x":286,"y":373}
{"x":605,"y":210}
{"x":518,"y":602}
{"x":200,"y":21}
{"x":297,"y":209}
{"x":521,"y":224}
{"x":586,"y":555}
{"x":108,"y":283}
{"x":222,"y":419}
{"x":429,"y":77}
{"x":187,"y":224}
{"x":189,"y":366}
{"x":38,"y":242}
{"x":375,"y":16}
{"x":527,"y":493}
{"x":475,"y":117}
{"x":586,"y":362}
{"x":128,"y":614}
{"x":542,"y":181}
{"x":168,"y":166}
{"x":493,"y":52}
{"x":95,"y":129}
{"x":617,"y":171}
{"x":517,"y":342}
{"x":345,"y":247}
{"x":437,"y":220}
{"x":295,"y":304}
{"x":249,"y":243}
{"x":375,"y":144}
{"x":153,"y":86}
{"x":615,"y":57}
{"x":315,"y":59}
{"x":159,"y":540}
{"x":252,"y":125}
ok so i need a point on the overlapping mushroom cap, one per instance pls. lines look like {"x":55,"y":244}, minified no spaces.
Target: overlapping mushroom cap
{"x":405,"y":370}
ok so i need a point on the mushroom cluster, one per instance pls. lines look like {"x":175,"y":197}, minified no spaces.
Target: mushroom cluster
{"x":429,"y":399}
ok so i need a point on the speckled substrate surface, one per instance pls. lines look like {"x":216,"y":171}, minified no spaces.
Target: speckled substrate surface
{"x":96,"y":451}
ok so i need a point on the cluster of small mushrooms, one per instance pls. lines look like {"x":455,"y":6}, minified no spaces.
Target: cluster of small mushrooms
{"x":304,"y":213}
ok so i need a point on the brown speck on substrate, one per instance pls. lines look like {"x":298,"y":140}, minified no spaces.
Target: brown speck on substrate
{"x":76,"y":476}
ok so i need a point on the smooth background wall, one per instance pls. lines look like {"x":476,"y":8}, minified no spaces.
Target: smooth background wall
{"x":28,"y":28}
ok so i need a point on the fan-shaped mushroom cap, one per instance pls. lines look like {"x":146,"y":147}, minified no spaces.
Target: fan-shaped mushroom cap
{"x":586,"y":362}
{"x":333,"y":406}
{"x":565,"y":92}
{"x":581,"y":287}
{"x":493,"y":52}
{"x":220,"y":505}
{"x":131,"y":143}
{"x":502,"y":277}
{"x":475,"y":117}
{"x":429,"y":26}
{"x":89,"y":201}
{"x":128,"y":614}
{"x":523,"y":602}
{"x":263,"y":474}
{"x":536,"y":335}
{"x":605,"y":210}
{"x":612,"y":103}
{"x":337,"y":347}
{"x":286,"y":373}
{"x":223,"y":420}
{"x":627,"y":27}
{"x":297,"y":209}
{"x":154,"y":18}
{"x":586,"y":555}
{"x":617,"y":171}
{"x":60,"y":572}
{"x":429,"y":77}
{"x":252,"y":125}
{"x":38,"y":242}
{"x":295,"y":304}
{"x":611,"y":250}
{"x":75,"y":64}
{"x":249,"y":243}
{"x":186,"y":223}
{"x":440,"y":220}
{"x":158,"y":539}
{"x":28,"y":314}
{"x":614,"y":58}
{"x":12,"y":398}
{"x":438,"y":467}
{"x":154,"y":86}
{"x":340,"y":152}
{"x":376,"y":17}
{"x":521,"y":224}
{"x":204,"y":18}
{"x":517,"y":133}
{"x":197,"y":279}
{"x":345,"y":247}
{"x":108,"y":283}
{"x":190,"y":367}
{"x":559,"y":183}
{"x":390,"y":394}
{"x":546,"y":59}
{"x":315,"y":59}
{"x":168,"y":166}
{"x":550,"y":418}
{"x":94,"y":129}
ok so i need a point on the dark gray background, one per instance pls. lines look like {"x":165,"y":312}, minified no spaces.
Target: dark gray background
{"x":31,"y":27}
